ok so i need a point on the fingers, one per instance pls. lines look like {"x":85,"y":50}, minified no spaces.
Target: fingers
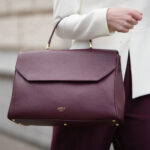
{"x":122,"y":29}
{"x":136,"y":14}
{"x":131,"y":20}
{"x":122,"y":20}
{"x":125,"y":27}
{"x":128,"y":25}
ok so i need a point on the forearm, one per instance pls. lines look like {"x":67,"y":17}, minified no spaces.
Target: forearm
{"x":80,"y":26}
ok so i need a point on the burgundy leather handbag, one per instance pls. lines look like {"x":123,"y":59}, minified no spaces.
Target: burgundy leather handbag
{"x":67,"y":87}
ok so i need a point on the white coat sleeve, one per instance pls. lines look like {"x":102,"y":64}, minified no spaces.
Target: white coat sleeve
{"x":78,"y":26}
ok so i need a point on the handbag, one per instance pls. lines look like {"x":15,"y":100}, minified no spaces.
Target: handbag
{"x":67,"y":87}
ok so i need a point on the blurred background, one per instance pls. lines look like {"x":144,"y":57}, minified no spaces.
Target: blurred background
{"x":24,"y":25}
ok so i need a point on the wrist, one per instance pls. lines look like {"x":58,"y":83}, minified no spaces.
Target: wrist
{"x":109,"y":20}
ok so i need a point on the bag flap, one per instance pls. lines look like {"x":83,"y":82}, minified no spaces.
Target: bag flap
{"x":66,"y":65}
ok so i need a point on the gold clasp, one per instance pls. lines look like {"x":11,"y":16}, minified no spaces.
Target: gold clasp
{"x":65,"y":124}
{"x":19,"y":123}
{"x":47,"y":46}
{"x":90,"y":43}
{"x":115,"y":123}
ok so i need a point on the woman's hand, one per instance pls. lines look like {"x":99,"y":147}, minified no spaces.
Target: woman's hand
{"x":122,"y":19}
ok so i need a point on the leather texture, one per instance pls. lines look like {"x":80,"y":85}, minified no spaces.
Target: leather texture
{"x":87,"y":84}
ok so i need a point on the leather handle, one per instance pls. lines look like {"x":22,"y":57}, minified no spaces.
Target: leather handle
{"x":49,"y":41}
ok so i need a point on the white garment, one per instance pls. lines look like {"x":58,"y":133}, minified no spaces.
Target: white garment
{"x":91,"y":23}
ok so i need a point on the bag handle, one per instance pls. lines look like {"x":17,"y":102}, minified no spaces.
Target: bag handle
{"x":49,"y":41}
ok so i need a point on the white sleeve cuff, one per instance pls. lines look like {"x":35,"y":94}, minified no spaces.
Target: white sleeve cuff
{"x":101,"y":17}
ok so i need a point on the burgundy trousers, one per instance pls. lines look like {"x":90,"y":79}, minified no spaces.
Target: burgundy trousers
{"x":134,"y":134}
